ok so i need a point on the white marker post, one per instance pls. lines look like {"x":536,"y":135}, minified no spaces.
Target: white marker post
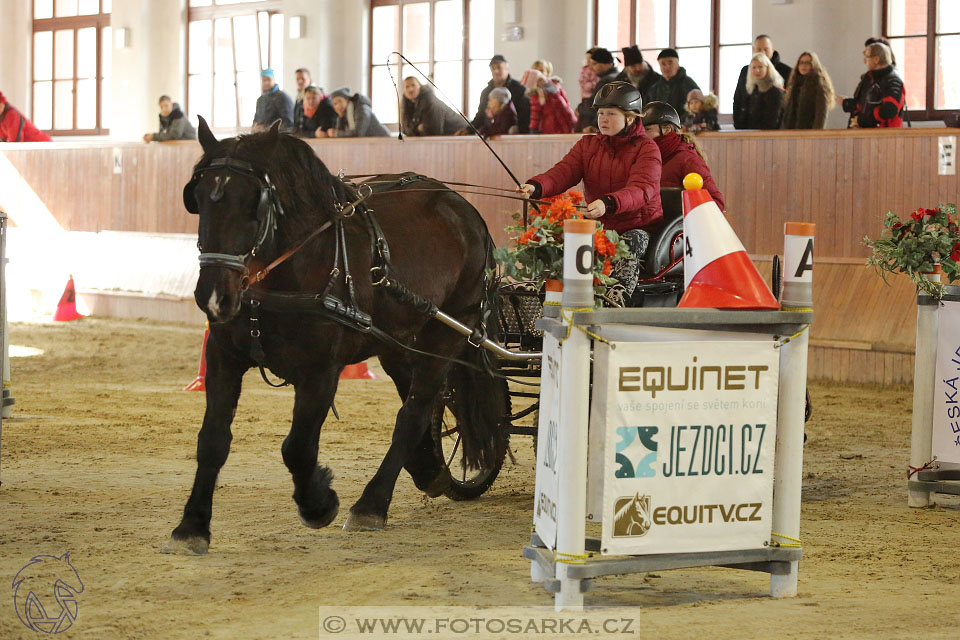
{"x":574,"y":412}
{"x":788,"y":465}
{"x":924,"y":381}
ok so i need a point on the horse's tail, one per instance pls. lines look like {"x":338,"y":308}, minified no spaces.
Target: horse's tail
{"x":481,"y":393}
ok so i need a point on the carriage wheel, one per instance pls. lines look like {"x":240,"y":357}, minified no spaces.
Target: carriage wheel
{"x":466,"y":483}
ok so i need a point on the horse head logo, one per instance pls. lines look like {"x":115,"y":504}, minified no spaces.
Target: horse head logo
{"x":45,"y":593}
{"x":632,"y":518}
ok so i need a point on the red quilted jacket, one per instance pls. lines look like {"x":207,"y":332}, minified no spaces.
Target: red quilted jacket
{"x":15,"y":127}
{"x":554,"y":116}
{"x":626,"y":168}
{"x":679,"y":159}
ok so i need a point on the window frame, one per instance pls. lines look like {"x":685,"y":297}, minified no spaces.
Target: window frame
{"x":216,"y":12}
{"x":98,"y":21}
{"x":930,"y":113}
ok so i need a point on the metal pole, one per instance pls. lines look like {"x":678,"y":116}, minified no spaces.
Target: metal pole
{"x":924,"y":381}
{"x":574,"y":412}
{"x":4,"y":330}
{"x":788,"y":465}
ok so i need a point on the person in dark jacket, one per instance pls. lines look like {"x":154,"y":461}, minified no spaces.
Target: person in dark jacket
{"x":173,"y":124}
{"x":605,"y":67}
{"x":304,"y":80}
{"x":679,"y":151}
{"x":675,"y":84}
{"x":880,"y":96}
{"x":316,"y":116}
{"x":762,"y":44}
{"x":500,"y":116}
{"x":424,"y":114}
{"x":637,"y":72}
{"x":273,"y":104}
{"x":764,"y":104}
{"x":809,"y":95}
{"x":16,"y":127}
{"x":620,"y":169}
{"x":356,"y":117}
{"x":500,"y":77}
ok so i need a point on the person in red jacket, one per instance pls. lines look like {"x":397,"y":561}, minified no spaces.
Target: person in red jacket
{"x":15,"y":127}
{"x":680,"y":152}
{"x":620,"y":169}
{"x":550,"y":111}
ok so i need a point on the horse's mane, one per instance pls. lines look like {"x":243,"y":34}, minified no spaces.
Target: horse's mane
{"x":308,"y":191}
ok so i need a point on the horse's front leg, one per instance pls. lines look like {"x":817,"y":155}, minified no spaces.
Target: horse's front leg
{"x":316,"y":501}
{"x":223,"y":381}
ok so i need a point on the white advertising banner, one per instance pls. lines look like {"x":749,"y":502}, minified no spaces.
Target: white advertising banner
{"x":548,"y":427}
{"x":946,"y":398}
{"x":688,"y":445}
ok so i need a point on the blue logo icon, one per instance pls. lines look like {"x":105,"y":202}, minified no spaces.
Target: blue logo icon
{"x":636,"y":452}
{"x":45,"y":594}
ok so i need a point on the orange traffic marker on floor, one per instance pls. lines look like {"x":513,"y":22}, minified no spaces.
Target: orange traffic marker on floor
{"x":67,"y":307}
{"x":200,"y":383}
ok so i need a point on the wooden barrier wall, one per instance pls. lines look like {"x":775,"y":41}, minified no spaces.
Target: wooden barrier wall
{"x":844,"y":181}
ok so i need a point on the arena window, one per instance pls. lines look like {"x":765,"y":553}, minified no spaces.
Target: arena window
{"x":925,"y":38}
{"x":449,"y":40}
{"x":714,"y":38}
{"x":71,"y":66}
{"x":228,"y":43}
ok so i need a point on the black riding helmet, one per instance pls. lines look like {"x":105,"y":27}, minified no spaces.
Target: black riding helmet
{"x":622,"y":95}
{"x":660,"y":113}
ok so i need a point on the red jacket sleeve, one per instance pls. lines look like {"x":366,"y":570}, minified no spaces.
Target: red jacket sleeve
{"x":643,"y":182}
{"x":566,"y":173}
{"x":697,"y":165}
{"x":9,"y":125}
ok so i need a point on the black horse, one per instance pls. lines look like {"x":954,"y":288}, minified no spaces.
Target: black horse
{"x":290,"y":268}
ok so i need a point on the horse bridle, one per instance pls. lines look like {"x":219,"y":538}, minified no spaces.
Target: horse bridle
{"x":268,"y":209}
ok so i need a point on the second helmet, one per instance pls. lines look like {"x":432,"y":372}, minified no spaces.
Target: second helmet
{"x":659,"y":113}
{"x":622,"y":95}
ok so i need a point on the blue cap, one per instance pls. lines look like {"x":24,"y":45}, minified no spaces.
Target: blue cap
{"x":268,"y":72}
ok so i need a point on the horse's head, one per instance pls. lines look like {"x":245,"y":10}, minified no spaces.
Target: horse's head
{"x":238,"y":208}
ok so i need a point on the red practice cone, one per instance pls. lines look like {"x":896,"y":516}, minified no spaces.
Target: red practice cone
{"x":717,"y":271}
{"x":67,"y":307}
{"x":200,"y":383}
{"x":357,"y":371}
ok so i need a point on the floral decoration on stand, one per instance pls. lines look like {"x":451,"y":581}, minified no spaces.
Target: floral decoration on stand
{"x":536,"y":254}
{"x":915,"y":245}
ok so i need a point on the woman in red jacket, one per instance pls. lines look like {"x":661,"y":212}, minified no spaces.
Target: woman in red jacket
{"x":620,"y":169}
{"x":15,"y":127}
{"x":680,"y":152}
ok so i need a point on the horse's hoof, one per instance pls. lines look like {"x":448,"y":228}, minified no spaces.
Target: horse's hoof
{"x":439,"y":484}
{"x":364,"y":522}
{"x":192,"y":546}
{"x":320,"y":523}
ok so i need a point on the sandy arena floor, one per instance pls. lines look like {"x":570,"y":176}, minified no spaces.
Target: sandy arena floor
{"x":98,"y":461}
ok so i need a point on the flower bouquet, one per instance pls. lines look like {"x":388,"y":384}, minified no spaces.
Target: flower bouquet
{"x":913,"y":246}
{"x":536,"y":254}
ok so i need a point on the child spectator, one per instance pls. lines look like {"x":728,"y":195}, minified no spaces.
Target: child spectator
{"x":701,"y":112}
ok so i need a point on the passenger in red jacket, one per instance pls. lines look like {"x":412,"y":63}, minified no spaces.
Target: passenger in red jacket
{"x":620,"y":169}
{"x":681,"y":153}
{"x":15,"y":127}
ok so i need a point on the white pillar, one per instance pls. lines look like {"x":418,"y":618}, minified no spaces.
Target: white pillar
{"x":788,"y":466}
{"x":574,"y":412}
{"x":924,"y":380}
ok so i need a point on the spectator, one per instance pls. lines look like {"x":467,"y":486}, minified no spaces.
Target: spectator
{"x":875,"y":39}
{"x":674,"y":85}
{"x":355,"y":117}
{"x":15,"y":127}
{"x":424,"y":114}
{"x":273,"y":104}
{"x":303,"y":81}
{"x":620,"y":170}
{"x":701,"y":112}
{"x":764,"y":103}
{"x":550,"y":111}
{"x":173,"y":124}
{"x":317,"y":115}
{"x":603,"y":64}
{"x":637,"y":72}
{"x":500,"y":77}
{"x":679,"y":151}
{"x":880,"y":96}
{"x":588,"y":82}
{"x":500,"y":116}
{"x":809,"y":95}
{"x":763,"y":44}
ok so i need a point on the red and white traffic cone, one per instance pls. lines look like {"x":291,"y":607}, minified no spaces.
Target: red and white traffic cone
{"x":200,"y":383}
{"x":717,"y":272}
{"x":67,"y":307}
{"x":357,"y":371}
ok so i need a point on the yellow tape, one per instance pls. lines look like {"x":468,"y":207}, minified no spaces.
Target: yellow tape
{"x":570,"y":558}
{"x":802,"y":309}
{"x":571,"y":323}
{"x":795,"y":543}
